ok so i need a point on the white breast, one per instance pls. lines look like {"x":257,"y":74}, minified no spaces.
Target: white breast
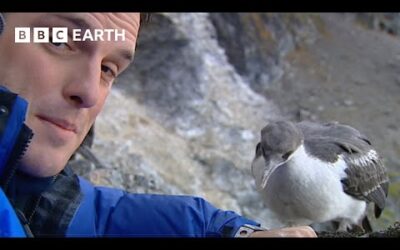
{"x":306,"y":190}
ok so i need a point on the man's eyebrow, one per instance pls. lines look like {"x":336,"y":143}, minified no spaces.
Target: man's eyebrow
{"x":126,"y":54}
{"x":76,"y":21}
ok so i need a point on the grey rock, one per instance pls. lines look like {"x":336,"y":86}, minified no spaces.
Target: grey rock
{"x":185,"y":117}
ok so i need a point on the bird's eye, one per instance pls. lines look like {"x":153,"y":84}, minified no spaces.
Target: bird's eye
{"x":258,"y":147}
{"x":286,"y":156}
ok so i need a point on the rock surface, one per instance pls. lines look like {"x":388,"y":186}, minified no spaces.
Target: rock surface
{"x":186,"y":116}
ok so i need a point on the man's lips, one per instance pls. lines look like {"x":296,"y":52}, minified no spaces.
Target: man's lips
{"x":61,"y":123}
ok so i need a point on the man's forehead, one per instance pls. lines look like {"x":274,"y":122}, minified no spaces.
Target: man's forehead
{"x":127,"y":21}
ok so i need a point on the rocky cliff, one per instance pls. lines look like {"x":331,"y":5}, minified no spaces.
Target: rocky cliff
{"x":186,"y":116}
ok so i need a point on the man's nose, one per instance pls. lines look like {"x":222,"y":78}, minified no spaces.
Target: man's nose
{"x":84,"y":87}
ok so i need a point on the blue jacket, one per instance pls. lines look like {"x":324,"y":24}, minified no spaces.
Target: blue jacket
{"x":72,"y":207}
{"x":12,"y":117}
{"x":9,"y":223}
{"x":112,"y":212}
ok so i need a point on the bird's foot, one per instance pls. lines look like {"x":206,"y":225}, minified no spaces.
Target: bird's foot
{"x":353,"y":229}
{"x":343,"y":226}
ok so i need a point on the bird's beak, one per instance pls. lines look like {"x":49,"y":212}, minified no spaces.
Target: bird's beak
{"x":275,"y":163}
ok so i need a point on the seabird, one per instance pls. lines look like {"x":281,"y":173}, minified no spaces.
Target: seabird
{"x":312,"y":173}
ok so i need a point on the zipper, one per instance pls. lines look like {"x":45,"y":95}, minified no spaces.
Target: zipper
{"x":24,"y":138}
{"x":24,"y":223}
{"x":19,"y":135}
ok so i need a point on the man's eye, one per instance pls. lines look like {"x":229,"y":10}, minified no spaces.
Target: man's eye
{"x":108,"y":74}
{"x":59,"y":44}
{"x":107,"y":70}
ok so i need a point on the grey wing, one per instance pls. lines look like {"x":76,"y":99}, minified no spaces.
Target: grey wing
{"x":334,"y":130}
{"x":329,"y":140}
{"x":367,"y":179}
{"x":366,"y":175}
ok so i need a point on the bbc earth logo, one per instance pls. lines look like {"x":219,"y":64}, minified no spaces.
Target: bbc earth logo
{"x":62,"y":35}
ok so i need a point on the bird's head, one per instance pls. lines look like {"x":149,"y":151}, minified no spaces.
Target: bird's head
{"x":279,"y":139}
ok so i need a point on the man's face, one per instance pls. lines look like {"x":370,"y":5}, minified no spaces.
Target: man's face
{"x":65,"y":84}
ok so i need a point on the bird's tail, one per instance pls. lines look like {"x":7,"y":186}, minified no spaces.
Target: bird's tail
{"x":366,"y":225}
